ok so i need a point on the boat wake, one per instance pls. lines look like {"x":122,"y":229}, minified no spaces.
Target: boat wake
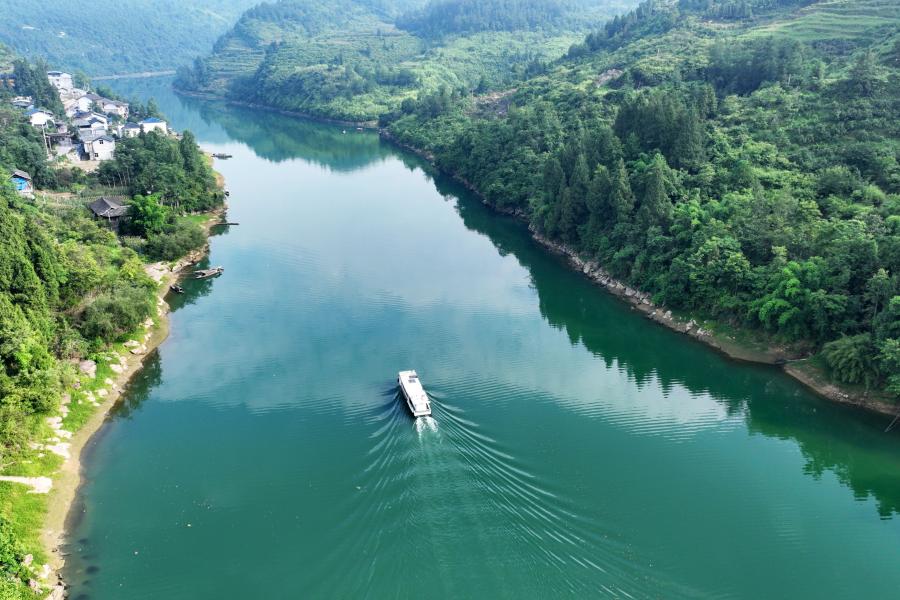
{"x":426,"y":424}
{"x":457,"y":496}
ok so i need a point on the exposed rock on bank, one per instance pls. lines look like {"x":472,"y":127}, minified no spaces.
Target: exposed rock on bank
{"x":772,"y":356}
{"x":641,"y":301}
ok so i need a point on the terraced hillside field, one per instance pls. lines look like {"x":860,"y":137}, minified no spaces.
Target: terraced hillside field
{"x":837,"y":20}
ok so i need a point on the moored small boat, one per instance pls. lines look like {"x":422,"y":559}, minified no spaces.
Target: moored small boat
{"x":416,"y":399}
{"x":176,"y":288}
{"x":207,"y":273}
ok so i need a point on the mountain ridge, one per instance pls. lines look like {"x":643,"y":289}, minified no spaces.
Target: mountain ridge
{"x":350,"y":61}
{"x":136,"y":36}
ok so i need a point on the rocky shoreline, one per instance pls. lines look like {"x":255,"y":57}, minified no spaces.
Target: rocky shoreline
{"x":781,"y":357}
{"x":125,"y":363}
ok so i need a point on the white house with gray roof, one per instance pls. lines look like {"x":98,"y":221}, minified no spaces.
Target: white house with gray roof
{"x":99,"y":148}
{"x":39,"y":117}
{"x":61,"y":81}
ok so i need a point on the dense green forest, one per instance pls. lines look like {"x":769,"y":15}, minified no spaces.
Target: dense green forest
{"x":124,"y":37}
{"x":442,"y":18}
{"x":69,"y":286}
{"x":357,"y":60}
{"x":737,"y":159}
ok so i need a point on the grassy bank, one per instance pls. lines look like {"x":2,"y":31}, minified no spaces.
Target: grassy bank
{"x":86,"y":418}
{"x":54,"y":454}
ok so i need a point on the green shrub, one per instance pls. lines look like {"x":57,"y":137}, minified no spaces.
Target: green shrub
{"x":116,"y":312}
{"x":852,"y":359}
{"x":175,"y":242}
{"x":12,"y":553}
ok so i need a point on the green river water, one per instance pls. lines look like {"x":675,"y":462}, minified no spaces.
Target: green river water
{"x":576,"y":449}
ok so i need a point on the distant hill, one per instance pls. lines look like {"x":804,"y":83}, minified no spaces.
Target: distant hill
{"x":359,"y":59}
{"x":117,"y":37}
{"x":439,"y":18}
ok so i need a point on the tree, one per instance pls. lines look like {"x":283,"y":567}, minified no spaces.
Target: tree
{"x":573,"y":211}
{"x":893,"y":56}
{"x":889,"y":357}
{"x":146,"y":215}
{"x":656,"y":186}
{"x":193,"y":164}
{"x":862,"y":75}
{"x":797,"y":305}
{"x":621,"y":198}
{"x":31,"y":80}
{"x":554,"y":188}
{"x":879,"y":290}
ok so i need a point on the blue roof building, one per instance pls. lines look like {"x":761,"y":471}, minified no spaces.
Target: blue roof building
{"x":22,"y":182}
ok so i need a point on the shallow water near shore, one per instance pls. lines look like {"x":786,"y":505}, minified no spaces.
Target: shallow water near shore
{"x":576,"y":449}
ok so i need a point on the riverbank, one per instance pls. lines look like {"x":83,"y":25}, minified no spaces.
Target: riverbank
{"x":372,"y":124}
{"x":125,"y":363}
{"x":139,"y":75}
{"x":791,"y":361}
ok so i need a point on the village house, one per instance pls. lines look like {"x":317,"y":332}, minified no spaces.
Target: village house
{"x":88,"y":101}
{"x":39,"y":117}
{"x":59,"y":134}
{"x":154,"y":124}
{"x":109,"y":208}
{"x":90,"y":124}
{"x":23,"y":102}
{"x":61,"y":81}
{"x":83,"y":104}
{"x":91,"y":116}
{"x":90,"y":128}
{"x":101,"y":148}
{"x":114,"y":107}
{"x":131,"y":130}
{"x":75,"y":102}
{"x":22,"y":182}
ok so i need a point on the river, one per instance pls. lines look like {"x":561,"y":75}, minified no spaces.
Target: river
{"x":576,"y":449}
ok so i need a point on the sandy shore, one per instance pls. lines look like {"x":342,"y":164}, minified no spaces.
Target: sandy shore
{"x":67,"y":480}
{"x":69,"y":477}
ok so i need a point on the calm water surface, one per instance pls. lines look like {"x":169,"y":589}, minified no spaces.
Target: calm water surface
{"x":576,"y":449}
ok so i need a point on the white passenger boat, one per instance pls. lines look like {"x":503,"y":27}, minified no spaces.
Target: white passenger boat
{"x":416,"y":398}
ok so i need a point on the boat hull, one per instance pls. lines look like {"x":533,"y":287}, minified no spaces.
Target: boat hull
{"x":421,"y":411}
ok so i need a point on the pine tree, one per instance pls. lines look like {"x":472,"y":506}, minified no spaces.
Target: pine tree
{"x":863,"y":73}
{"x":574,"y":210}
{"x":656,"y":206}
{"x":621,"y":198}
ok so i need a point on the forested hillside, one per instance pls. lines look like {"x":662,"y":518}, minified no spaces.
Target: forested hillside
{"x":441,"y":18}
{"x":119,"y":37}
{"x":358,"y":59}
{"x":67,"y":289}
{"x":738,"y":159}
{"x":70,"y":288}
